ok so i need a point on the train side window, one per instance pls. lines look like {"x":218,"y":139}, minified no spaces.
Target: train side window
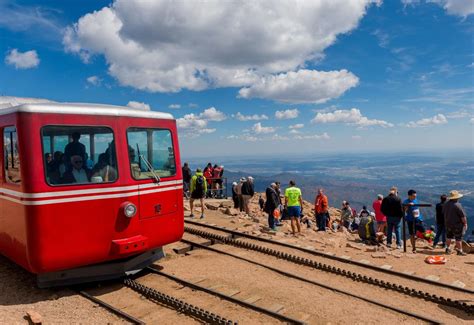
{"x":11,"y":155}
{"x":153,"y":147}
{"x":79,"y":155}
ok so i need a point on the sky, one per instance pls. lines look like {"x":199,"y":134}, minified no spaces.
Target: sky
{"x":248,"y":78}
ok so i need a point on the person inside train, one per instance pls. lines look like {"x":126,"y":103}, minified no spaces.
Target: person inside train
{"x":78,"y":173}
{"x":103,"y":171}
{"x":56,"y":168}
{"x":75,"y":148}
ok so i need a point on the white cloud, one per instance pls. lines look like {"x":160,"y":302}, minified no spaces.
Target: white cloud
{"x":244,"y":137}
{"x":94,"y":80}
{"x":277,"y":137}
{"x":259,"y":129}
{"x":435,"y":120}
{"x":174,"y":106}
{"x":294,"y":131}
{"x":287,"y":114}
{"x":166,"y":46}
{"x":193,"y":105}
{"x":351,"y":117}
{"x":302,"y":86}
{"x":356,"y":137}
{"x":323,"y":136}
{"x":212,"y":114}
{"x":25,"y":60}
{"x":461,"y":8}
{"x":254,"y":117}
{"x":472,"y":120}
{"x":195,"y":125}
{"x":139,"y":105}
{"x":296,"y":126}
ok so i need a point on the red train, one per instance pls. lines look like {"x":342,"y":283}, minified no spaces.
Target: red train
{"x":89,"y":192}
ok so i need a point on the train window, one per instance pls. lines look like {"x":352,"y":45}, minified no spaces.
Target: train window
{"x":12,"y":156}
{"x":79,"y":154}
{"x":151,"y":152}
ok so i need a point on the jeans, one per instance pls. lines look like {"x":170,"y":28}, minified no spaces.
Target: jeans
{"x":440,"y":232}
{"x":271,"y":220}
{"x":321,"y":221}
{"x":394,"y":223}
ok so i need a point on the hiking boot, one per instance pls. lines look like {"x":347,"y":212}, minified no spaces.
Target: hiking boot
{"x":202,"y":216}
{"x":448,"y":251}
{"x":274,"y":229}
{"x":191,"y":215}
{"x":460,"y":253}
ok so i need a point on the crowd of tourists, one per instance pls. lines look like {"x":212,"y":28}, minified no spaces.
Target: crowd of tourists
{"x":379,"y":225}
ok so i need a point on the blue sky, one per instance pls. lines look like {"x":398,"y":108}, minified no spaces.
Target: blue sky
{"x":246,"y":78}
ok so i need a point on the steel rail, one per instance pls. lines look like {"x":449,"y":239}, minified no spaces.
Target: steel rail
{"x":332,"y":257}
{"x":469,"y":309}
{"x":111,"y":308}
{"x":177,"y":304}
{"x":229,"y":298}
{"x":322,"y":285}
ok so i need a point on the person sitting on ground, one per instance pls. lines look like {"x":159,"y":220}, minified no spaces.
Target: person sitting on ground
{"x":247,"y":193}
{"x":379,"y":216}
{"x":440,"y":227}
{"x":198,"y":190}
{"x":78,"y":173}
{"x":321,"y":210}
{"x":294,"y":204}
{"x":346,"y":214}
{"x":456,"y":222}
{"x":367,"y":231}
{"x":364,"y":212}
{"x":271,"y":204}
{"x":413,"y":217}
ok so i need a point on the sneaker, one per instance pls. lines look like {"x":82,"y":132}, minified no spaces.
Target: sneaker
{"x":202,"y":216}
{"x":448,"y":251}
{"x":461,"y":253}
{"x":399,"y":246}
{"x":191,"y":215}
{"x":274,"y":229}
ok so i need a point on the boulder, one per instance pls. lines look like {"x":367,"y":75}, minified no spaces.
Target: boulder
{"x":227,"y":204}
{"x":212,"y":206}
{"x":231,"y":212}
{"x":352,"y":245}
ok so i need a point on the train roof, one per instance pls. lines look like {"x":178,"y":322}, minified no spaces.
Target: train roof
{"x":84,"y":109}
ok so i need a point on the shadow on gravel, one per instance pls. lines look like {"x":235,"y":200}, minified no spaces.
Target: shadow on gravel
{"x":457,"y":313}
{"x":17,"y":286}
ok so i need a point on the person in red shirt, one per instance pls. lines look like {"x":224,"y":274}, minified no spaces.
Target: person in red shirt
{"x":321,"y":210}
{"x":379,"y":216}
{"x":208,"y":173}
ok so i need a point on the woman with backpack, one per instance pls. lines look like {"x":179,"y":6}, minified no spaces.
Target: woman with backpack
{"x":198,"y":190}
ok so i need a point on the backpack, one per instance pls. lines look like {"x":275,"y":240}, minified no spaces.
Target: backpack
{"x":199,"y":189}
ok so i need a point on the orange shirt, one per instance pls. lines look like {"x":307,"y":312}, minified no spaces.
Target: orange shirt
{"x":321,"y":204}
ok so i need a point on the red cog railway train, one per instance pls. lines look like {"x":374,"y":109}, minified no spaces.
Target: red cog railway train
{"x":89,"y":192}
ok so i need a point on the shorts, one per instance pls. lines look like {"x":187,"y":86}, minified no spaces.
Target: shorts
{"x":454,"y":233}
{"x":414,"y":226}
{"x":381,"y":223}
{"x":294,"y":211}
{"x":196,"y":196}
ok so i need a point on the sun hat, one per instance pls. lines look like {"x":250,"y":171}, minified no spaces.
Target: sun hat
{"x":250,"y":178}
{"x":243,"y":179}
{"x":454,"y":195}
{"x":234,"y":183}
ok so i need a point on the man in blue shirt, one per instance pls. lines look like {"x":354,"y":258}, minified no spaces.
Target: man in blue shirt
{"x":413,"y":217}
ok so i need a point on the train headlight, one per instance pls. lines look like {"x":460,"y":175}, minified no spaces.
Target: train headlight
{"x":130,"y":210}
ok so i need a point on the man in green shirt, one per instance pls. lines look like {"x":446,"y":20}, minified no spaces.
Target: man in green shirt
{"x":294,"y":204}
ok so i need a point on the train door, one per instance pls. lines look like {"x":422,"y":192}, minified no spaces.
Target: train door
{"x":152,"y":157}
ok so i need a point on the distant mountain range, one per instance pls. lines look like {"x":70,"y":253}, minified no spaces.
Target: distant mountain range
{"x":359,"y":178}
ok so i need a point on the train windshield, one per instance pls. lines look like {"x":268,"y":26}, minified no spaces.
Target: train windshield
{"x":151,"y":153}
{"x":79,"y":155}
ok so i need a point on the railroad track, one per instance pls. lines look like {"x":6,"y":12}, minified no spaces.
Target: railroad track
{"x":405,"y":290}
{"x":319,"y":284}
{"x":236,"y":234}
{"x":158,"y":297}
